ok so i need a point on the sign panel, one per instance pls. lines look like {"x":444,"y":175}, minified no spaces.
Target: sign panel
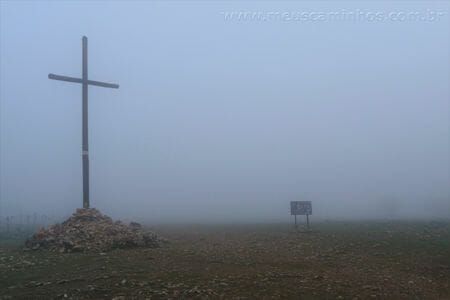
{"x":301,"y":208}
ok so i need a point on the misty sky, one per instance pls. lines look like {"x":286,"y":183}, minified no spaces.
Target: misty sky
{"x":219,"y":119}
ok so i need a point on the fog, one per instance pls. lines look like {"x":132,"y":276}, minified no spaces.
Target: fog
{"x":225,"y":120}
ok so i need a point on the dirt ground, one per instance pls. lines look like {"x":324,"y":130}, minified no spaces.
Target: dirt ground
{"x":336,"y":260}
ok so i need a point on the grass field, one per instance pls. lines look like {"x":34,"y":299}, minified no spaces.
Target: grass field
{"x":336,"y":260}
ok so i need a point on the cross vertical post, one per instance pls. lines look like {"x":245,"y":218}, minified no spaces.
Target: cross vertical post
{"x":85,"y":147}
{"x":85,"y":82}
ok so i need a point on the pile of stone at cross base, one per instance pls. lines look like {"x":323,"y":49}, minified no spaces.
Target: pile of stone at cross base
{"x":89,"y":230}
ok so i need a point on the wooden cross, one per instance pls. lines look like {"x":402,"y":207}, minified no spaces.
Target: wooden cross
{"x":84,"y":82}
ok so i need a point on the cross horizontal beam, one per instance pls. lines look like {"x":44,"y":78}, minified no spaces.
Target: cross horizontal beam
{"x":79,"y":80}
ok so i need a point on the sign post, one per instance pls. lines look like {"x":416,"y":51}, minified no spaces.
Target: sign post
{"x":301,"y":208}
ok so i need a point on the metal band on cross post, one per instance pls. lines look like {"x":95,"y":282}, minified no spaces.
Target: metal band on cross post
{"x":85,"y":82}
